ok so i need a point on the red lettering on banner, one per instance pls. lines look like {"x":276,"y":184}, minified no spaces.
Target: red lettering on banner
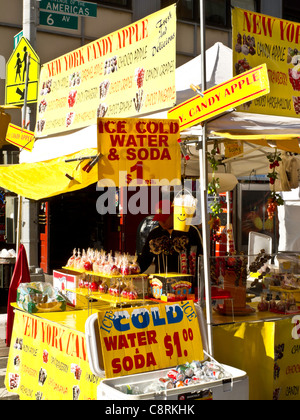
{"x":30,"y":327}
{"x":76,"y":346}
{"x":289,"y":31}
{"x":110,"y":342}
{"x":138,"y":361}
{"x":112,"y":127}
{"x":141,"y":127}
{"x":257,"y":24}
{"x":118,"y":342}
{"x":74,"y":59}
{"x":100,"y":48}
{"x":294,"y":369}
{"x":132,"y":34}
{"x":54,"y":68}
{"x":138,"y":141}
{"x":145,"y":154}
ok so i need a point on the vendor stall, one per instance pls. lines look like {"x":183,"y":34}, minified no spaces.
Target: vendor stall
{"x":53,"y":356}
{"x":147,"y":329}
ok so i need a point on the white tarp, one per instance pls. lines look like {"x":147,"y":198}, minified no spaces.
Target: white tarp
{"x":289,"y":226}
{"x":64,"y":144}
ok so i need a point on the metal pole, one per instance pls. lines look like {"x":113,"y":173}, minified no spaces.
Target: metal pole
{"x":203,"y":191}
{"x":24,"y":110}
{"x":27,"y":210}
{"x":30,"y":20}
{"x":29,"y":32}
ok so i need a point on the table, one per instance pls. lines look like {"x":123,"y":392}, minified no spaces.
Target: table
{"x":266,"y":346}
{"x":48,"y":357}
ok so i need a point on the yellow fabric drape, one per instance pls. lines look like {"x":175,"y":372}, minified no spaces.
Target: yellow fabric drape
{"x":286,"y":142}
{"x":48,"y":178}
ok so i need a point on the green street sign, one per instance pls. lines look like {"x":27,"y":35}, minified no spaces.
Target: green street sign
{"x":17,"y":39}
{"x":58,"y":20}
{"x":70,"y":7}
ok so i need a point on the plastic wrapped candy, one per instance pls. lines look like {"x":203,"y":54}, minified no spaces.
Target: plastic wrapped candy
{"x":103,"y":288}
{"x":134,"y":267}
{"x":40,"y":297}
{"x":129,"y":292}
{"x":71,"y":260}
{"x":125,"y":271}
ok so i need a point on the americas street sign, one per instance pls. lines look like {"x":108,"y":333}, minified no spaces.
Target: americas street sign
{"x":16,"y":72}
{"x":70,"y":7}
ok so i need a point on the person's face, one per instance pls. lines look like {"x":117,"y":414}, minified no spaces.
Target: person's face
{"x":168,"y":223}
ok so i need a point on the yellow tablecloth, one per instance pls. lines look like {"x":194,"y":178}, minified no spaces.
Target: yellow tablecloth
{"x":267,"y":347}
{"x":48,"y":357}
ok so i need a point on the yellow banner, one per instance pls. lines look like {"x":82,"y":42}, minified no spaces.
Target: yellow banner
{"x":124,"y":74}
{"x":287,"y":360}
{"x":20,"y":137}
{"x":233,"y":148}
{"x":236,"y":91}
{"x":261,"y":39}
{"x":48,"y":361}
{"x":138,"y":152}
{"x":269,"y":351}
{"x":136,"y":340}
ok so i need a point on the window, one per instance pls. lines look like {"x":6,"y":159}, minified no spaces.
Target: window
{"x":126,"y":4}
{"x":218,"y":12}
{"x":291,"y":10}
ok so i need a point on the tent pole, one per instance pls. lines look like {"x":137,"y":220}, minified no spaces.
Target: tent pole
{"x":19,"y":224}
{"x":206,"y":241}
{"x":203,"y":191}
{"x":24,"y":126}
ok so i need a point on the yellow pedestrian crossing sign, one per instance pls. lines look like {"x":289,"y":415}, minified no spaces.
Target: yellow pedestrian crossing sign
{"x":23,"y":64}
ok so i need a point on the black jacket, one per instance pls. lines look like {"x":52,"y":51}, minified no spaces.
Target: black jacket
{"x":166,"y":249}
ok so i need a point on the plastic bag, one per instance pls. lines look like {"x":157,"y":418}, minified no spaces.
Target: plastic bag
{"x":40,"y":297}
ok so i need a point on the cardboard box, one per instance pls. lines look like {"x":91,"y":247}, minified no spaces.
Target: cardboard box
{"x":66,"y":281}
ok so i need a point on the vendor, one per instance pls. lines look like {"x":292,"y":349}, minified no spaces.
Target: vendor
{"x":164,"y":245}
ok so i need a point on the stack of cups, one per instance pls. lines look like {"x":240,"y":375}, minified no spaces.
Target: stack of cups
{"x":184,"y":210}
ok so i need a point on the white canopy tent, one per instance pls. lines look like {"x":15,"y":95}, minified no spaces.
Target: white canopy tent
{"x":63,"y":144}
{"x":218,"y":70}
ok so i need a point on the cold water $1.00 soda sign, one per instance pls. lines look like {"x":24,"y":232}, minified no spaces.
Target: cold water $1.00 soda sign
{"x":136,"y":340}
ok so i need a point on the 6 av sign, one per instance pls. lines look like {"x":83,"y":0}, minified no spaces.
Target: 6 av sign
{"x":58,"y":20}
